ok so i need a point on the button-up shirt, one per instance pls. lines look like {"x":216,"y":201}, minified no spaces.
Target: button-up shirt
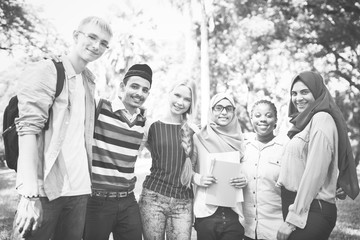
{"x":310,"y":166}
{"x":262,"y":201}
{"x":36,"y":96}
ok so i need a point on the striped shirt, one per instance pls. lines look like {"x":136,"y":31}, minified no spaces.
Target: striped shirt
{"x":116,"y":146}
{"x":168,"y":157}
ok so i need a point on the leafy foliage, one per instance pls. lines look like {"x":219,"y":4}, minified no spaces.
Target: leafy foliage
{"x":257,"y":45}
{"x":22,"y":31}
{"x":255,"y":48}
{"x":14,"y":21}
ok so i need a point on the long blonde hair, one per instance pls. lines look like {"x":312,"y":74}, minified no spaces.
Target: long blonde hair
{"x":186,"y":135}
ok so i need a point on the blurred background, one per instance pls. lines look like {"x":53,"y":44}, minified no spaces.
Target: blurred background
{"x":251,"y":48}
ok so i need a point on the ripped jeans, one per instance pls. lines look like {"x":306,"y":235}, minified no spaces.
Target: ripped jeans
{"x":161,"y":214}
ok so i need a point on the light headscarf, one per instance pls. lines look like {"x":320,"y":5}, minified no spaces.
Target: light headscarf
{"x":347,"y":178}
{"x":217,"y":138}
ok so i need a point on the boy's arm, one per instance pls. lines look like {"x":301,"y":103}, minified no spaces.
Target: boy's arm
{"x":29,"y":211}
{"x":27,"y":165}
{"x":35,"y":98}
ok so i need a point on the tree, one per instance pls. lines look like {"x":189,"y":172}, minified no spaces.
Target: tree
{"x":204,"y":59}
{"x":15,"y":24}
{"x":273,"y":40}
{"x":22,"y":31}
{"x":327,"y":30}
{"x":327,"y":35}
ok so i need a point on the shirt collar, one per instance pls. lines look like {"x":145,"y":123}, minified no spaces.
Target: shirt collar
{"x":117,"y":104}
{"x":69,"y":69}
{"x":251,"y":139}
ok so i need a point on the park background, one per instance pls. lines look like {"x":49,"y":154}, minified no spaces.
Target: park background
{"x":251,"y":48}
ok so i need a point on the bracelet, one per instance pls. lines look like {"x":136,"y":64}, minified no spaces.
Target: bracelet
{"x":293,"y":228}
{"x":33,"y":197}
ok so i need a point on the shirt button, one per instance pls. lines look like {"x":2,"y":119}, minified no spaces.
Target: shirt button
{"x":253,"y":192}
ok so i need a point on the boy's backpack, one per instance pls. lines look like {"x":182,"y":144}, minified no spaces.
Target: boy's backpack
{"x":10,"y":135}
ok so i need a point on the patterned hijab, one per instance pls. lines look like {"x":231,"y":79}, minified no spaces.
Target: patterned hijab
{"x":217,"y":138}
{"x":347,"y":178}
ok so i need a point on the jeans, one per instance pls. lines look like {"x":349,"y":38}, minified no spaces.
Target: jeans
{"x":222,"y":225}
{"x":161,"y":214}
{"x":121,"y":216}
{"x":63,"y":218}
{"x":321,"y":218}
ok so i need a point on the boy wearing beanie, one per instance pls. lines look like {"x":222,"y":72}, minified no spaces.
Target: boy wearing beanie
{"x":118,"y":135}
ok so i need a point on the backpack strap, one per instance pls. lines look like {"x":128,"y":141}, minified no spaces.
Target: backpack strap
{"x":60,"y":79}
{"x":60,"y":71}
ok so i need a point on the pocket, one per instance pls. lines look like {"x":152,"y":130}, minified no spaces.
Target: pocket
{"x":303,"y":135}
{"x":301,"y":145}
{"x":148,"y":195}
{"x":275,"y":161}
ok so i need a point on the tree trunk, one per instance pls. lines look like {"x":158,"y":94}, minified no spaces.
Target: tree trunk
{"x":205,"y":79}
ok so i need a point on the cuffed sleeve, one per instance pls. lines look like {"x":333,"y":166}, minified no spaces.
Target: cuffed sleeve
{"x":318,"y":169}
{"x":36,"y":95}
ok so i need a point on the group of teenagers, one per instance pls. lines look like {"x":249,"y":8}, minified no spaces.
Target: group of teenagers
{"x":76,"y":180}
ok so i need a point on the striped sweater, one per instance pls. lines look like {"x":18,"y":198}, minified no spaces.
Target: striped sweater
{"x":115,"y":149}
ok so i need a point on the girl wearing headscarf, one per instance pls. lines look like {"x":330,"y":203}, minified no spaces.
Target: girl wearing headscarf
{"x":317,"y":158}
{"x":166,"y":201}
{"x":221,"y":134}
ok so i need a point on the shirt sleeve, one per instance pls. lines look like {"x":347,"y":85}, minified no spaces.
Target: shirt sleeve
{"x":36,"y":95}
{"x":319,"y":157}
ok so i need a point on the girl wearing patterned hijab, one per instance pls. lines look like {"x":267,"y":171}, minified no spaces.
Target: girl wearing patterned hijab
{"x":317,"y":158}
{"x":221,"y":134}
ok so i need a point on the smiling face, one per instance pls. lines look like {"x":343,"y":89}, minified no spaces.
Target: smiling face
{"x":223,"y":112}
{"x":91,"y":42}
{"x":134,"y":93}
{"x":263,"y":119}
{"x":180,"y":100}
{"x":301,"y":96}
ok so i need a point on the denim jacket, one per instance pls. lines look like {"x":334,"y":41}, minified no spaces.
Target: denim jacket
{"x":36,"y":95}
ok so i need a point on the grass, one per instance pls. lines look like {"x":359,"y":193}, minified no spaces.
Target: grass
{"x":8,"y":202}
{"x":347,"y":225}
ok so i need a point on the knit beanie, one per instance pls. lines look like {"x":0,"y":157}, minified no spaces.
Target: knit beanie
{"x":141,"y":70}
